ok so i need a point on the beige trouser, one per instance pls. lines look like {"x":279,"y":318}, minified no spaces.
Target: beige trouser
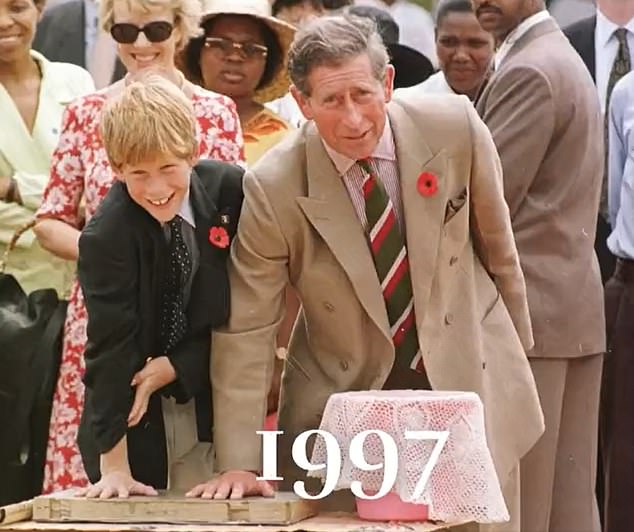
{"x":559,"y":472}
{"x":189,"y":461}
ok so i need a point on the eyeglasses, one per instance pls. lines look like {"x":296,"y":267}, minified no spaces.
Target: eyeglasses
{"x":247,"y":50}
{"x":157,"y":31}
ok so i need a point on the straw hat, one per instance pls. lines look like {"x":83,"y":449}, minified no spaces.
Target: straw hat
{"x":261,"y":10}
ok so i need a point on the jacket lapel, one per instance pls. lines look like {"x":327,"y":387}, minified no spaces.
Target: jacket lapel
{"x":542,"y":28}
{"x":152,"y":266}
{"x":205,"y":211}
{"x":331,"y":213}
{"x":424,"y":215}
{"x":158,"y":259}
{"x":538,"y":30}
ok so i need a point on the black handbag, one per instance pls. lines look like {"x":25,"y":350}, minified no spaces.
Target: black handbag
{"x":31,"y":332}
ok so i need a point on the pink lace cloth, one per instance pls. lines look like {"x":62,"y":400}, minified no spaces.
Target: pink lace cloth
{"x":463,"y":485}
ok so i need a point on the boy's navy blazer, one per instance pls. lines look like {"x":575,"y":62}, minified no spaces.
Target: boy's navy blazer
{"x":123,"y":255}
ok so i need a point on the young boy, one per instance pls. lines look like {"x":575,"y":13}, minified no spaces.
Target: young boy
{"x":152,"y":268}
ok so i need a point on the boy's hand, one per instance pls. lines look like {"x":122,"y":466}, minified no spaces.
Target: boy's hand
{"x":156,"y":373}
{"x":116,"y":484}
{"x":233,"y":485}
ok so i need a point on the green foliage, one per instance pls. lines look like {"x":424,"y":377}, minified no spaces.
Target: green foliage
{"x":427,"y":4}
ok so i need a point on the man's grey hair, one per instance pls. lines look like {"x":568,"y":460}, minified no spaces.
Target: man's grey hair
{"x":333,"y":41}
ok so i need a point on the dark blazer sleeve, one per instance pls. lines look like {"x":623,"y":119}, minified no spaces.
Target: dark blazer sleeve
{"x":581,"y":37}
{"x":60,"y":34}
{"x":40,"y":41}
{"x":108,"y":280}
{"x":190,"y":358}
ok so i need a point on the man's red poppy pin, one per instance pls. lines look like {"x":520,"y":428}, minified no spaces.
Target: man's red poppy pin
{"x":219,"y":237}
{"x":427,"y":184}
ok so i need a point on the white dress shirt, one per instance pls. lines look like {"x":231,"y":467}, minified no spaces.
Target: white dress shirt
{"x":606,"y":46}
{"x":186,"y":212}
{"x":434,"y":84}
{"x":517,"y":33}
{"x":621,"y":168}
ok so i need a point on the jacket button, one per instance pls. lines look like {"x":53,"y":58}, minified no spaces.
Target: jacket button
{"x":453,"y":260}
{"x":329,"y":306}
{"x":344,"y":365}
{"x":448,"y":318}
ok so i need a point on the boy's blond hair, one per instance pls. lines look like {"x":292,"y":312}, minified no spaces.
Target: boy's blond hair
{"x":149,"y":118}
{"x":187,"y":15}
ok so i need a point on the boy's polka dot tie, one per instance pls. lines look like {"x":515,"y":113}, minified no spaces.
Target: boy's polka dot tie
{"x":173,"y":317}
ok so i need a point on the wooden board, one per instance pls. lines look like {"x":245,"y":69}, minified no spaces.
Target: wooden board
{"x":328,"y":522}
{"x":14,"y":513}
{"x":284,"y":508}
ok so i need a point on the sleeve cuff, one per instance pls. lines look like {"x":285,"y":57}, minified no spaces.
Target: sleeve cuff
{"x":107,"y":437}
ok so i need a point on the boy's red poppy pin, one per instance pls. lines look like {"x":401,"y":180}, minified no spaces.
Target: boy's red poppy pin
{"x":219,"y":237}
{"x":427,"y":184}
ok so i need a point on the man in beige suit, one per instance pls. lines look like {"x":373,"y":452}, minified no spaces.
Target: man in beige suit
{"x":542,"y":110}
{"x":306,"y":221}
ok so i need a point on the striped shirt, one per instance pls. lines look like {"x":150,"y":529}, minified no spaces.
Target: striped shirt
{"x":386,"y":167}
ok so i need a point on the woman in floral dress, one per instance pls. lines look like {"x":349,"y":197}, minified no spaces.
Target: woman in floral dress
{"x":149,"y":33}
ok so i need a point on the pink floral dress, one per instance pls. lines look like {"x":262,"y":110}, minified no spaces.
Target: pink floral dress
{"x":80,"y":170}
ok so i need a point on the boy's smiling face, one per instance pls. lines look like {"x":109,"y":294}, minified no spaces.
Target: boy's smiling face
{"x":158,"y":184}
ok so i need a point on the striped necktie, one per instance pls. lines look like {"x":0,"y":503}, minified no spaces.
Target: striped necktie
{"x":392,"y":267}
{"x":621,"y":66}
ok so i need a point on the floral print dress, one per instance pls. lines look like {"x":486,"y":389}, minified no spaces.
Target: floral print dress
{"x":80,"y":178}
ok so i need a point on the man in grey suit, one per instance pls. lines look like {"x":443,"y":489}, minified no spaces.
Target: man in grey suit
{"x":67,"y":32}
{"x":542,"y":110}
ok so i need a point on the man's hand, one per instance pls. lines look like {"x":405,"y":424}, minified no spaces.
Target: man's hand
{"x":156,"y":373}
{"x":116,"y":484}
{"x":233,"y":485}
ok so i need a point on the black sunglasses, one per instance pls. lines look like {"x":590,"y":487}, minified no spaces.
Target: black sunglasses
{"x":157,"y":31}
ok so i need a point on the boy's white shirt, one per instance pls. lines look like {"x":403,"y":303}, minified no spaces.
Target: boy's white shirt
{"x":186,"y":212}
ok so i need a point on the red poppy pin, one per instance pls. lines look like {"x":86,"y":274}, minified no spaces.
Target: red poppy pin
{"x":427,"y":184}
{"x":219,"y":237}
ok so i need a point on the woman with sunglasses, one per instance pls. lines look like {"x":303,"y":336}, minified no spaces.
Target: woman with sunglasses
{"x":149,"y":33}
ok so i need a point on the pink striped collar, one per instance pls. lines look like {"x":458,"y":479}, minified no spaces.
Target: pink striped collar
{"x":385,"y":149}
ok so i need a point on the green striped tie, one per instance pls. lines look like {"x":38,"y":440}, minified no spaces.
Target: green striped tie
{"x":390,"y":260}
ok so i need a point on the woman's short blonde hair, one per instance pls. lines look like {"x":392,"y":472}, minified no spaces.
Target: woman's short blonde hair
{"x":150,"y":117}
{"x":187,"y":14}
